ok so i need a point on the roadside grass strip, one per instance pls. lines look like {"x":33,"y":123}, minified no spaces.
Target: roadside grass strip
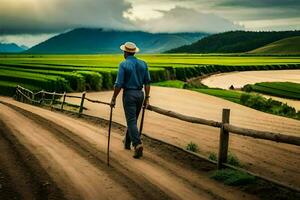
{"x":280,"y":89}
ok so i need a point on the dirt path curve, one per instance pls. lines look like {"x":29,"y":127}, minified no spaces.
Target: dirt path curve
{"x":73,"y":173}
{"x":73,"y":152}
{"x":239,"y":79}
{"x":274,"y":160}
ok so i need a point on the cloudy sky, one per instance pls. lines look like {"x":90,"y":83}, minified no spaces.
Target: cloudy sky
{"x":32,"y":21}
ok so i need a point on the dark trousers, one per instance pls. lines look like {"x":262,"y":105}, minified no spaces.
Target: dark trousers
{"x":132,"y":103}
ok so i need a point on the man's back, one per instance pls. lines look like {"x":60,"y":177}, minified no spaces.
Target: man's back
{"x":133,"y":74}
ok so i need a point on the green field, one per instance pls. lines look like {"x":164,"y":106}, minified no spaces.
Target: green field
{"x":98,"y":72}
{"x":289,"y":45}
{"x":171,"y":83}
{"x":112,"y":60}
{"x":280,"y":89}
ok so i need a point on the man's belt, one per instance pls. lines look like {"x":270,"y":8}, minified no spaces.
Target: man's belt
{"x":139,"y":89}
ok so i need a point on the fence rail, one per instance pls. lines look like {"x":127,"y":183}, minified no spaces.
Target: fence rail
{"x":225,"y":127}
{"x":25,"y":95}
{"x":96,"y":101}
{"x":276,"y":137}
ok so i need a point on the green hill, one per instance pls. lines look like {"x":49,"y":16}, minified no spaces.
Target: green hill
{"x":88,"y":40}
{"x":289,"y":45}
{"x":234,"y":42}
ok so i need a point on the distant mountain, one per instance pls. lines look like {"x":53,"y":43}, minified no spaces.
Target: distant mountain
{"x":24,"y":47}
{"x":289,"y":45}
{"x":11,"y":48}
{"x":234,"y":42}
{"x":86,"y":40}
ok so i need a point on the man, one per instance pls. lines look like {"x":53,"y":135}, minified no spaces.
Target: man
{"x":133,"y":74}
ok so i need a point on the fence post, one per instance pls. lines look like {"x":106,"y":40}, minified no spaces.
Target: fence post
{"x":81,"y":104}
{"x":22,"y":97}
{"x":17,"y":94}
{"x":26,"y":95}
{"x":224,"y":138}
{"x":32,"y":99}
{"x":62,"y":103}
{"x":43,"y":97}
{"x":52,"y":101}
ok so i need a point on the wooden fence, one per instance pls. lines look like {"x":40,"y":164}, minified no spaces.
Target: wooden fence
{"x":23,"y":94}
{"x":39,"y":98}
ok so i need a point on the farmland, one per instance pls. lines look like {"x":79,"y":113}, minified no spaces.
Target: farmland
{"x":256,"y":101}
{"x":70,"y":146}
{"x":98,"y":72}
{"x":280,"y":89}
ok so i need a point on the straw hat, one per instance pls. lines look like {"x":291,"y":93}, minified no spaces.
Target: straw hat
{"x":129,"y":47}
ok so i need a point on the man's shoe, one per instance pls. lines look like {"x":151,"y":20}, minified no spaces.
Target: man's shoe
{"x":138,"y":151}
{"x":127,"y":147}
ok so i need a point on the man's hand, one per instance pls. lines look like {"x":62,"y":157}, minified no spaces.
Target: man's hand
{"x":146,"y":102}
{"x":114,"y":97}
{"x":113,"y":102}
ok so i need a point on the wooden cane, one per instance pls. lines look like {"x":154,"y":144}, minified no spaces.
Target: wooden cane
{"x":142,"y":120}
{"x":109,"y":130}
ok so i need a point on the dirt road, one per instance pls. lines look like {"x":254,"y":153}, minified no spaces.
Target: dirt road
{"x":72,"y":153}
{"x":278,"y":161}
{"x":239,"y":79}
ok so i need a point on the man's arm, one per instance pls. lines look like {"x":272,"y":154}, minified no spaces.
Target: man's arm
{"x":147,"y":80}
{"x":114,"y":97}
{"x":147,"y":95}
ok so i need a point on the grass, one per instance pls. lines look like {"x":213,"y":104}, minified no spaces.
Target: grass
{"x":280,"y":89}
{"x":233,"y":177}
{"x":49,"y":82}
{"x":231,"y":159}
{"x":289,"y":45}
{"x":261,"y":103}
{"x":213,"y":156}
{"x":112,"y":60}
{"x":254,"y":101}
{"x":229,"y":95}
{"x":98,"y":72}
{"x":8,"y":87}
{"x":192,"y":147}
{"x":170,"y":83}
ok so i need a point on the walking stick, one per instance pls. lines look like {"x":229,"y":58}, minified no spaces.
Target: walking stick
{"x":109,"y":130}
{"x":142,"y":120}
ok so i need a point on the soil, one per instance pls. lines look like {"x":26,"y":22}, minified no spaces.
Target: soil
{"x":274,"y":160}
{"x":239,"y":79}
{"x":73,"y":152}
{"x":67,"y":155}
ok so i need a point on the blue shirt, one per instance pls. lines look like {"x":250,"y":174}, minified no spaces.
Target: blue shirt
{"x":133,"y":74}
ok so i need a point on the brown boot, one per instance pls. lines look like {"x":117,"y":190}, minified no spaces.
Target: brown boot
{"x":138,"y":151}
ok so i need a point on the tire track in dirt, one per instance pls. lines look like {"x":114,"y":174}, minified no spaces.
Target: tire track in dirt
{"x":177,"y":182}
{"x":80,"y":142}
{"x":75,"y":175}
{"x":22,"y":176}
{"x":97,"y":158}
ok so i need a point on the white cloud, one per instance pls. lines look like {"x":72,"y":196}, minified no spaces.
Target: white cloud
{"x":278,"y":24}
{"x":181,"y":19}
{"x":52,"y":16}
{"x":31,"y":21}
{"x":25,"y":39}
